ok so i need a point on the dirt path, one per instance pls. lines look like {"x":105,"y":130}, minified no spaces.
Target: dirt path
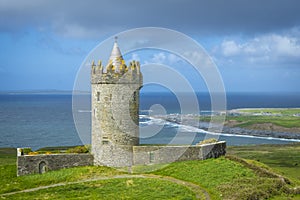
{"x":199,"y":192}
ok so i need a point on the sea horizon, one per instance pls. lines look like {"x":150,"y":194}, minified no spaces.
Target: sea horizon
{"x":41,"y":120}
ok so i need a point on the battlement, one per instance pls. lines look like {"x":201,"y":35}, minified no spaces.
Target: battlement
{"x":112,"y":74}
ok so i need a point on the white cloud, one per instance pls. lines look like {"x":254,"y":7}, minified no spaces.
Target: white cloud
{"x":164,"y":58}
{"x":173,"y":58}
{"x":265,"y":49}
{"x":159,"y":58}
{"x":230,"y":48}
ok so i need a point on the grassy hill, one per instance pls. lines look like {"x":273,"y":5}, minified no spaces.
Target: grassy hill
{"x":223,"y":178}
{"x":285,"y":119}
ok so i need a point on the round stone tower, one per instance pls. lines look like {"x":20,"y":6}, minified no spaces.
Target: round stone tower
{"x":115,"y":110}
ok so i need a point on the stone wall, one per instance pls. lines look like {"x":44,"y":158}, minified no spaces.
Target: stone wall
{"x":32,"y":164}
{"x":141,"y":155}
{"x":145,"y":155}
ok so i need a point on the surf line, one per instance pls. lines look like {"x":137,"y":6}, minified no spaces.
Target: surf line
{"x":193,"y":129}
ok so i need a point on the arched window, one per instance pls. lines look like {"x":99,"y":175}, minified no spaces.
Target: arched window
{"x":43,"y":167}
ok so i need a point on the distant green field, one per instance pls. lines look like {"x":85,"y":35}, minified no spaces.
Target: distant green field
{"x":284,"y":121}
{"x":280,"y":117}
{"x":282,"y":111}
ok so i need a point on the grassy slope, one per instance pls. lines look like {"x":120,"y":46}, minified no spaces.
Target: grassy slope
{"x":136,"y":188}
{"x":104,"y":189}
{"x":283,"y":158}
{"x":223,"y":178}
{"x":8,"y":156}
{"x":208,"y":173}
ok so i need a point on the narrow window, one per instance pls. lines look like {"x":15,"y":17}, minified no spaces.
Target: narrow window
{"x":105,"y":140}
{"x":98,"y":96}
{"x":134,"y":96}
{"x":151,"y":157}
{"x":110,"y":96}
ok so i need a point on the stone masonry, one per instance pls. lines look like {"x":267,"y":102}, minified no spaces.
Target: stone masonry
{"x":145,"y":155}
{"x":115,"y":110}
{"x":33,"y":164}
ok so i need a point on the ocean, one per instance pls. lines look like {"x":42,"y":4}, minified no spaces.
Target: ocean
{"x":42,"y":120}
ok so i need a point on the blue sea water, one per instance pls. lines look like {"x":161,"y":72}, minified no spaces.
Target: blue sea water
{"x":40,"y":120}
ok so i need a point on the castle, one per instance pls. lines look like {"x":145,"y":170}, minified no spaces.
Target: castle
{"x":115,"y":130}
{"x":115,"y":110}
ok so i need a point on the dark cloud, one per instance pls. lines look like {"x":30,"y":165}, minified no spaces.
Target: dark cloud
{"x":91,"y":18}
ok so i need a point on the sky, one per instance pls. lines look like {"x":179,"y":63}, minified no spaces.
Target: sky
{"x":255,"y":44}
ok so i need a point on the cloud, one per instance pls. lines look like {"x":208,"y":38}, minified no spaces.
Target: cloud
{"x":173,"y":58}
{"x":269,"y":49}
{"x":159,"y":58}
{"x":93,"y":19}
{"x":230,"y":48}
{"x":164,"y":58}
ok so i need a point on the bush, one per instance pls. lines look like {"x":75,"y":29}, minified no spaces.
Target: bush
{"x":26,"y":151}
{"x":208,"y":141}
{"x":78,"y":149}
{"x":32,"y":153}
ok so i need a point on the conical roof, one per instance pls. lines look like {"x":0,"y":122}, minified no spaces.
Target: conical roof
{"x":116,"y":56}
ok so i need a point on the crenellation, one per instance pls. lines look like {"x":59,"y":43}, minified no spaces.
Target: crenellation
{"x":126,"y":75}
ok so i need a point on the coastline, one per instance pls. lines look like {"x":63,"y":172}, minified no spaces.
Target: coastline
{"x":232,"y":129}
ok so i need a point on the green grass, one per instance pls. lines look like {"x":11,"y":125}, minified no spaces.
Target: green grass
{"x":222,"y":178}
{"x":210,"y":174}
{"x":10,"y":182}
{"x":283,"y":111}
{"x":283,"y":158}
{"x":8,"y":156}
{"x":248,"y":120}
{"x":226,"y":179}
{"x":286,"y":197}
{"x":136,"y":188}
{"x":140,"y":169}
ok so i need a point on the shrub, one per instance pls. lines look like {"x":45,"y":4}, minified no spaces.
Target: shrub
{"x":78,"y":149}
{"x":26,"y":151}
{"x":208,"y":141}
{"x":32,"y":153}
